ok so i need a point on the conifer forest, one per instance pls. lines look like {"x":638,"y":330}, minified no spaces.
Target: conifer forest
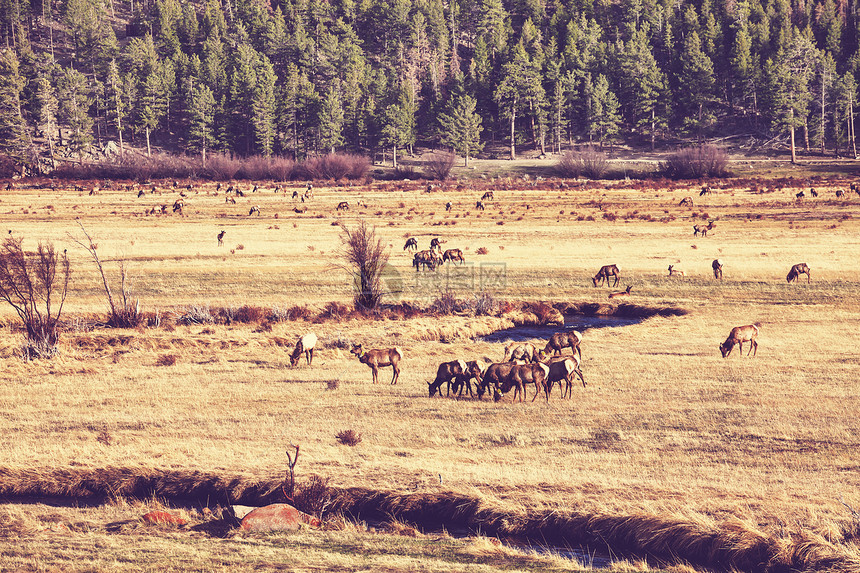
{"x":304,"y":77}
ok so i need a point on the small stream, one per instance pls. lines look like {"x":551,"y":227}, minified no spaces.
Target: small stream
{"x":574,"y":322}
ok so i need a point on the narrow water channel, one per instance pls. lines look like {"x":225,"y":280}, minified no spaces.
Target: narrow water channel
{"x":575,"y":322}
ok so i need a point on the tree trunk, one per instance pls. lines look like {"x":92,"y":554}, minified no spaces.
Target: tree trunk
{"x":851,"y":125}
{"x":394,"y":155}
{"x":806,"y":134}
{"x":823,"y":81}
{"x":513,"y":132}
{"x":653,"y":128}
{"x":148,"y":148}
{"x":793,"y":151}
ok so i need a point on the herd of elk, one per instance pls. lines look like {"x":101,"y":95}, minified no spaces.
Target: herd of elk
{"x":377,"y":359}
{"x":604,"y":273}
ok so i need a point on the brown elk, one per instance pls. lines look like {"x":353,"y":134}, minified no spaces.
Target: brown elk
{"x":562,"y":369}
{"x":343,"y":206}
{"x":377,"y":359}
{"x":739,"y":335}
{"x":178,"y":205}
{"x":228,"y":199}
{"x":717,"y":266}
{"x":474,"y":369}
{"x":254,"y":209}
{"x":686,"y":201}
{"x":705,"y":191}
{"x":800,"y":195}
{"x":621,"y":293}
{"x":702,"y":229}
{"x":605,"y":272}
{"x":522,"y":375}
{"x":520,"y":351}
{"x":487,"y":196}
{"x":797,"y":270}
{"x":457,"y":373}
{"x":411,"y":243}
{"x":561,"y":340}
{"x":479,"y":205}
{"x":435,"y":243}
{"x":453,"y":255}
{"x":221,"y":237}
{"x":673,"y":271}
{"x":840,"y":192}
{"x":304,"y":344}
{"x":426,"y":258}
{"x":493,"y":376}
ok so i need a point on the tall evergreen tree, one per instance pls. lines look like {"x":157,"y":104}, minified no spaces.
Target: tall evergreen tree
{"x":398,"y":123}
{"x":461,"y":127}
{"x":75,"y":101}
{"x":202,"y":112}
{"x":696,"y":86}
{"x":13,"y":128}
{"x":331,"y":119}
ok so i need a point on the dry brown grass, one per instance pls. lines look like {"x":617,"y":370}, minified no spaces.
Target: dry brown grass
{"x":667,"y":433}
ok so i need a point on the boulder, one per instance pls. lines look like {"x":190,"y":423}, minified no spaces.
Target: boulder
{"x":277,"y":517}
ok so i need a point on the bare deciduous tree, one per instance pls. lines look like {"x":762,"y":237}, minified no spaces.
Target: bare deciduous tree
{"x":30,"y":284}
{"x":365,"y":259}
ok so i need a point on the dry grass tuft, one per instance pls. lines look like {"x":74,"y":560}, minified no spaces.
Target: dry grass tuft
{"x":166,"y":360}
{"x":349,"y":437}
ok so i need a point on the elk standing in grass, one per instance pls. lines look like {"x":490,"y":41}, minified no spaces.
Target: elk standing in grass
{"x":561,"y":340}
{"x":304,"y":344}
{"x":377,"y":359}
{"x":411,"y":244}
{"x":453,"y":255}
{"x":604,"y":273}
{"x":702,"y":229}
{"x":717,"y":265}
{"x":676,"y":272}
{"x":520,"y":351}
{"x":686,"y":202}
{"x":342,"y":206}
{"x":739,"y":335}
{"x":221,"y":237}
{"x":797,"y":270}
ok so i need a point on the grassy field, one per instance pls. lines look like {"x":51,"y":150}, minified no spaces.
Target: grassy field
{"x":666,"y":426}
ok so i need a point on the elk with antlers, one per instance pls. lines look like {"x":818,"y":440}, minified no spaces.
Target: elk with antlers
{"x":377,"y":359}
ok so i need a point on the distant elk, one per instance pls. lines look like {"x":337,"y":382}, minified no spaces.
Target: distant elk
{"x":488,"y":196}
{"x":604,"y":273}
{"x":221,"y":237}
{"x":448,"y":206}
{"x":717,"y":266}
{"x":702,"y":229}
{"x":738,"y":336}
{"x":178,"y":205}
{"x":254,"y":209}
{"x":855,"y":188}
{"x":686,"y":202}
{"x":840,"y":193}
{"x":621,"y":293}
{"x":561,"y":340}
{"x":479,"y":205}
{"x":813,"y":192}
{"x":304,"y":344}
{"x":457,"y":373}
{"x":436,"y":243}
{"x":228,"y":199}
{"x":797,"y":270}
{"x":426,"y":258}
{"x":800,"y":195}
{"x":705,"y":191}
{"x":343,"y":206}
{"x":377,"y":359}
{"x":676,"y":272}
{"x":411,"y":243}
{"x":453,"y":255}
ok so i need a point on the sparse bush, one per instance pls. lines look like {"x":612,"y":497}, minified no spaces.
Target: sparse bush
{"x":485,"y":304}
{"x":222,"y":167}
{"x":339,"y":342}
{"x":166,"y":360}
{"x":332,"y":384}
{"x":31,"y":283}
{"x":588,"y":162}
{"x":482,"y":251}
{"x":439,"y":165}
{"x":283,"y":169}
{"x":248,"y":314}
{"x":334,"y":310}
{"x":406,"y":172}
{"x":445,"y":303}
{"x":335,"y":166}
{"x":348,"y":437}
{"x":365,"y":257}
{"x":313,"y":496}
{"x":194,"y":314}
{"x":697,"y":162}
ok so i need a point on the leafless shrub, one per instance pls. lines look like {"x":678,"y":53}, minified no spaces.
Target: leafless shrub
{"x":29,"y":283}
{"x":123,"y":313}
{"x":340,"y":342}
{"x":482,"y":251}
{"x":313,"y":496}
{"x":166,"y":360}
{"x":697,"y":162}
{"x":283,"y":169}
{"x":348,"y":437}
{"x":365,"y":257}
{"x":439,"y":165}
{"x":105,"y":438}
{"x":446,"y":303}
{"x":588,"y":162}
{"x":332,"y":384}
{"x":194,"y":314}
{"x":485,"y":304}
{"x":255,"y":168}
{"x":222,"y":167}
{"x":335,"y":166}
{"x":249,"y":314}
{"x":406,"y":172}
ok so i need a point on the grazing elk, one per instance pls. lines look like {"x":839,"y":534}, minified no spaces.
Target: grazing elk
{"x":855,"y":188}
{"x":178,"y":205}
{"x":448,"y":206}
{"x":621,"y":293}
{"x":493,"y":376}
{"x":739,"y":335}
{"x":686,"y":201}
{"x":703,"y":229}
{"x":221,"y":237}
{"x":474,"y":369}
{"x":604,"y":273}
{"x":479,"y":205}
{"x":426,"y":258}
{"x":522,"y":375}
{"x":673,"y":271}
{"x":717,"y":266}
{"x":813,"y":192}
{"x":140,"y":194}
{"x":343,"y":206}
{"x":561,"y":340}
{"x":411,"y":243}
{"x":705,"y":191}
{"x":840,"y":193}
{"x":800,"y":195}
{"x":520,"y":351}
{"x":453,"y":255}
{"x":562,"y":369}
{"x":488,"y":196}
{"x":304,"y":344}
{"x":254,"y":209}
{"x":435,"y":243}
{"x":377,"y":359}
{"x":797,"y":270}
{"x":228,"y":199}
{"x":295,"y":194}
{"x":457,"y":373}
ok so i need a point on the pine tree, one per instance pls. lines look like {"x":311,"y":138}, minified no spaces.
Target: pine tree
{"x":696,"y":86}
{"x":75,"y":101}
{"x":202,"y":112}
{"x":13,"y":132}
{"x":46,"y":110}
{"x":398,"y":123}
{"x":461,"y":127}
{"x":520,"y":89}
{"x":644,"y":86}
{"x":331,"y":119}
{"x":115,"y":104}
{"x":263,"y":106}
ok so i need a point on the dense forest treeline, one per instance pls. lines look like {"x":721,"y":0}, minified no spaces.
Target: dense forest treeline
{"x":301,"y":77}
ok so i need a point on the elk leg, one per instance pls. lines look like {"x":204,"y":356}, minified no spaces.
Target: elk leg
{"x":616,"y":281}
{"x":375,"y":371}
{"x":396,"y":373}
